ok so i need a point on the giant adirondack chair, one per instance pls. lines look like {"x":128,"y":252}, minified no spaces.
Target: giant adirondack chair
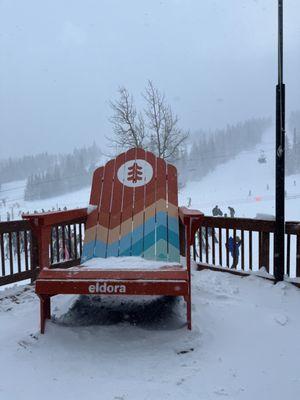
{"x":133,"y":212}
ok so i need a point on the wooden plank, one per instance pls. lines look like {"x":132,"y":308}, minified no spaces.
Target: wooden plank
{"x":56,"y":230}
{"x":288,"y":255}
{"x":206,"y":245}
{"x":163,"y":234}
{"x":265,"y":249}
{"x":250,"y":250}
{"x":260,"y":258}
{"x":17,"y":277}
{"x":243,"y":250}
{"x":14,"y":226}
{"x":70,"y":247}
{"x":63,"y":233}
{"x":90,"y":236}
{"x":227,"y":250}
{"x":220,"y":247}
{"x":18,"y":250}
{"x":173,"y":220}
{"x":298,"y":256}
{"x":150,"y":212}
{"x":10,"y":249}
{"x":80,"y":239}
{"x":114,"y":232}
{"x":86,"y":273}
{"x":138,"y":213}
{"x":51,"y":246}
{"x":2,"y":253}
{"x":75,"y":241}
{"x":166,"y":288}
{"x":126,"y":213}
{"x":213,"y":246}
{"x":26,"y":251}
{"x":239,"y":223}
{"x":200,"y":243}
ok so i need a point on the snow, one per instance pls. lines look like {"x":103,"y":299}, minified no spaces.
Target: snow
{"x":91,"y":208}
{"x":244,"y":344}
{"x":127,"y":263}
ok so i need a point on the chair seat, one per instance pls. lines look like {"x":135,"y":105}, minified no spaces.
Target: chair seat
{"x":82,"y":273}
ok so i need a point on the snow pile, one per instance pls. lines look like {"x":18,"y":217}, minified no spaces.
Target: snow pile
{"x":132,"y":263}
{"x":244,"y":344}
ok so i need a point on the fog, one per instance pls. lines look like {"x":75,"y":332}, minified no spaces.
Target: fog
{"x":62,"y":61}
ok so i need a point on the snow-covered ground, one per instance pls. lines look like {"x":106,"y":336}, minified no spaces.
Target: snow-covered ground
{"x":244,"y":345}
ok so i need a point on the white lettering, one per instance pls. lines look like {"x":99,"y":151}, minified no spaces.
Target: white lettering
{"x":122,"y":289}
{"x":92,"y":288}
{"x":105,"y":288}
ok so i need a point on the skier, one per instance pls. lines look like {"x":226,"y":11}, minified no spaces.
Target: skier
{"x":234,"y":249}
{"x":232,"y":212}
{"x":216,"y":211}
{"x":268,"y":187}
{"x":250,"y":193}
{"x":189,"y":202}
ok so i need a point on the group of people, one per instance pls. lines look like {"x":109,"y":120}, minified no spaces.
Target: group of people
{"x":217,"y":212}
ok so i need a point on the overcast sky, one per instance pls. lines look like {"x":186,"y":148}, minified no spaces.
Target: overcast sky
{"x":61,"y":61}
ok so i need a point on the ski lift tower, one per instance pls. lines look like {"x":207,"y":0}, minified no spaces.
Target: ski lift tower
{"x":280,"y":156}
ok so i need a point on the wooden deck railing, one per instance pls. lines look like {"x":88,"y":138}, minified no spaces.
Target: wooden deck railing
{"x":18,"y":249}
{"x":256,"y":250}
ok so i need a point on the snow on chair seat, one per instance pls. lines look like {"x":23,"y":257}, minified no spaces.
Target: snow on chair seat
{"x":131,"y":243}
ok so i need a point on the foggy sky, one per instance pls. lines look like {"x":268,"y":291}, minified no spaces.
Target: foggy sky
{"x":62,"y":61}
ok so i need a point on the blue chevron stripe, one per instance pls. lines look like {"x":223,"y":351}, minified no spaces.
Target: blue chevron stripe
{"x":135,"y":243}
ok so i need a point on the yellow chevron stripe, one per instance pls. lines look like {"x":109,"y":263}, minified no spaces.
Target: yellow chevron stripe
{"x":126,"y":226}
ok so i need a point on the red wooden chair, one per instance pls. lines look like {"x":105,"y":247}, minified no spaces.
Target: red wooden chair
{"x":133,"y":212}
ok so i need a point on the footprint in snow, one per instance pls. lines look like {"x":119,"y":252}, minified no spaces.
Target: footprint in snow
{"x":281,"y":319}
{"x":185,"y":351}
{"x":221,"y":392}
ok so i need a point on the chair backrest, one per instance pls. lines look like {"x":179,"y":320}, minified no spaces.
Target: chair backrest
{"x":133,"y":209}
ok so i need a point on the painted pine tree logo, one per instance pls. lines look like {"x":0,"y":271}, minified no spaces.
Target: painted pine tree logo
{"x":135,"y":173}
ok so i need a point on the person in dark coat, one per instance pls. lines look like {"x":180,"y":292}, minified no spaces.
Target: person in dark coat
{"x":232,"y":212}
{"x":234,"y":249}
{"x":217,"y":212}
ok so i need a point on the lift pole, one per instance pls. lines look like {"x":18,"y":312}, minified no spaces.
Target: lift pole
{"x":280,"y":157}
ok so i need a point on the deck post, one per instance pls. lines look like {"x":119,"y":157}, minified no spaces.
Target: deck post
{"x":280,"y":157}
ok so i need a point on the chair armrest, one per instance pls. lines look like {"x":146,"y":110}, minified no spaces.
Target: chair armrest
{"x":55,"y":217}
{"x":187,"y":215}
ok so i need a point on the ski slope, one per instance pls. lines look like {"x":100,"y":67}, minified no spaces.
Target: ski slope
{"x":229,"y":185}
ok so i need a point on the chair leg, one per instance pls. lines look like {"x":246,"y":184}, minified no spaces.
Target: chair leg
{"x":45,"y":311}
{"x":189,"y":312}
{"x":48,"y":307}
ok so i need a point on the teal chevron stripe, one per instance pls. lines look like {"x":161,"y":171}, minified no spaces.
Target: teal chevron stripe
{"x":88,"y":251}
{"x":137,"y":240}
{"x":159,"y":241}
{"x":160,"y":233}
{"x":161,"y":226}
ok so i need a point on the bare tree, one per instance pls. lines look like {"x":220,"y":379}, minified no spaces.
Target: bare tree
{"x":165,"y":138}
{"x":156,"y":129}
{"x":128,"y":125}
